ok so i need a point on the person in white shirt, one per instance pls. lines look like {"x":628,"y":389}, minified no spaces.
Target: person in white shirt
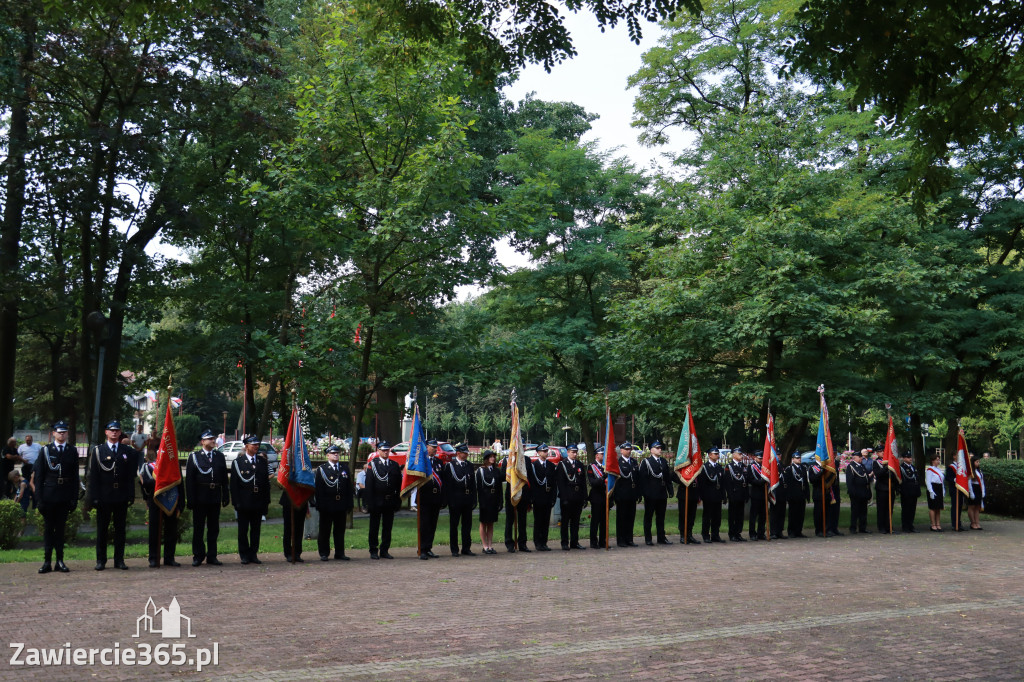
{"x":934,"y":480}
{"x":28,"y":451}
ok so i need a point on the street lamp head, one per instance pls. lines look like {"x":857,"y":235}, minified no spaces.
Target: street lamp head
{"x":96,"y":321}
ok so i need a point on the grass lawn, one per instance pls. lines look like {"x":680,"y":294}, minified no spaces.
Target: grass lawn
{"x":403,"y":534}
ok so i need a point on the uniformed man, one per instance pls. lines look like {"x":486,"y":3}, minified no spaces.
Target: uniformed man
{"x":858,"y":487}
{"x":711,"y":489}
{"x":431,"y":498}
{"x":688,"y":497}
{"x":334,"y":501}
{"x":572,"y":492}
{"x":758,"y":490}
{"x":160,"y":522}
{"x":206,"y":491}
{"x":832,"y":512}
{"x":886,"y":488}
{"x":910,"y":490}
{"x":250,"y":493}
{"x":56,"y":485}
{"x":738,"y":492}
{"x":293,"y":518}
{"x":798,"y":494}
{"x":598,"y":482}
{"x":383,"y":485}
{"x":544,"y":493}
{"x":515,"y":516}
{"x":626,"y":494}
{"x":777,"y":507}
{"x":112,"y":470}
{"x":822,"y":481}
{"x":656,"y":487}
{"x":957,"y":499}
{"x":460,"y":484}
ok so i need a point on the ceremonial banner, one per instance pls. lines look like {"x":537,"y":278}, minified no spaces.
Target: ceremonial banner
{"x":417,"y":466}
{"x":689,"y":458}
{"x":295,"y":474}
{"x":823,"y":450}
{"x":891,"y":453}
{"x":611,"y":457}
{"x":166,"y":470}
{"x":515,"y":465}
{"x":962,"y":464}
{"x":770,"y":460}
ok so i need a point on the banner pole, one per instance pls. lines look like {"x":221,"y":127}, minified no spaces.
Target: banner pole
{"x":767,"y":516}
{"x":824,"y":522}
{"x":607,"y":520}
{"x":159,"y":528}
{"x":515,"y":525}
{"x":686,"y":516}
{"x":419,"y":542}
{"x":294,"y":529}
{"x":890,"y":500}
{"x":956,"y":509}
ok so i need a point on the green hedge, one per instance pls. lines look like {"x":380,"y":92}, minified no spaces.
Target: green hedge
{"x":12,"y":524}
{"x":1004,"y":486}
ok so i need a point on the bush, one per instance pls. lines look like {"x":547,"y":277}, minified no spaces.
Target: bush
{"x":364,"y":451}
{"x":1004,"y":486}
{"x":72,"y":525}
{"x":184,"y":524}
{"x":12,"y":524}
{"x":187,"y":429}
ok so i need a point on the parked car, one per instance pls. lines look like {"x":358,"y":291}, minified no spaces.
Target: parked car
{"x":233,"y":448}
{"x":400,"y":452}
{"x":555,"y":453}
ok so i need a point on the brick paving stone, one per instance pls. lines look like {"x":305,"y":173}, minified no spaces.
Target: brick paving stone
{"x":864,"y":607}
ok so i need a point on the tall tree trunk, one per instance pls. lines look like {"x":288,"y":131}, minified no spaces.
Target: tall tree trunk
{"x":388,"y":416}
{"x":10,"y":241}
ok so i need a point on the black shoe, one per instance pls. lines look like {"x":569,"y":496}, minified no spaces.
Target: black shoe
{"x":830,"y":534}
{"x":431,"y":554}
{"x":153,"y":563}
{"x":455,"y":554}
{"x":468,"y":552}
{"x":255,"y":560}
{"x":385,"y":555}
{"x":197,"y":562}
{"x":510,"y":548}
{"x":245,"y":562}
{"x":819,"y":534}
{"x":374,"y":555}
{"x":835,"y":532}
{"x":717,"y":540}
{"x":578,"y":546}
{"x":633,"y":544}
{"x":762,"y":536}
{"x":649,"y":543}
{"x":565,"y":548}
{"x":525,"y":549}
{"x":621,"y":544}
{"x":324,"y":557}
{"x":739,"y":538}
{"x":853,"y":531}
{"x":777,"y":537}
{"x":121,"y":565}
{"x":706,"y":539}
{"x":100,"y":565}
{"x":865,"y":532}
{"x":215,"y":562}
{"x":914,"y":530}
{"x":342,"y":557}
{"x":61,"y":567}
{"x":45,"y":568}
{"x":299,"y":560}
{"x":594,"y":545}
{"x":692,"y":541}
{"x":424,"y":557}
{"x":543,"y":548}
{"x":172,"y":563}
{"x":664,"y":541}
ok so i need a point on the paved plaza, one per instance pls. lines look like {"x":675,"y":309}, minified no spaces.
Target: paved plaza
{"x":929,"y":606}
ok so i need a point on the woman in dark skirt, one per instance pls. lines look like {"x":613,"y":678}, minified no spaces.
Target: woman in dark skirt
{"x":976,"y":502}
{"x":933,"y":480}
{"x":488,"y":487}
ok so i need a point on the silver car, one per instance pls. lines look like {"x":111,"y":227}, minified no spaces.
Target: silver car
{"x":233,"y":448}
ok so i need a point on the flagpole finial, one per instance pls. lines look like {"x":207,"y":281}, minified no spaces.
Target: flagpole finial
{"x":821,"y":389}
{"x":888,"y":406}
{"x":513,"y":394}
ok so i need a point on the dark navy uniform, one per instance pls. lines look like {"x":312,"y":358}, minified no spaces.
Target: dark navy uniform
{"x":598,"y":482}
{"x":430,"y":498}
{"x":159,"y":521}
{"x":460,"y":485}
{"x":112,"y":470}
{"x":858,"y":487}
{"x":383,"y":488}
{"x":572,"y":492}
{"x":758,"y":488}
{"x":294,"y":518}
{"x":798,"y":494}
{"x":250,"y":493}
{"x":910,"y":490}
{"x":488,"y":492}
{"x":515,"y":516}
{"x":736,"y":488}
{"x":206,"y":490}
{"x":886,"y":489}
{"x":544,"y":493}
{"x":626,"y":493}
{"x":821,"y":478}
{"x":688,"y":497}
{"x":957,"y":499}
{"x":333,"y":502}
{"x":56,"y":491}
{"x":656,"y":487}
{"x":711,"y":488}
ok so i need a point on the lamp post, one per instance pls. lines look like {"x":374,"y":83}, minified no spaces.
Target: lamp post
{"x":275,"y":415}
{"x":97,"y":322}
{"x":224,"y":426}
{"x":924,"y":440}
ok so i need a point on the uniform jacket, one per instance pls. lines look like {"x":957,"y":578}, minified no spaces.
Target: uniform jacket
{"x":112,"y":474}
{"x":432,"y":493}
{"x":756,"y":483}
{"x":884,"y":478}
{"x":572,"y":481}
{"x":333,"y":488}
{"x":206,"y":478}
{"x":148,"y":486}
{"x":56,"y":477}
{"x":544,"y":483}
{"x":710,"y":485}
{"x":460,"y":484}
{"x":488,"y":486}
{"x":250,"y":484}
{"x":794,"y":479}
{"x":656,"y":479}
{"x":858,"y":486}
{"x":737,"y":483}
{"x":627,"y":487}
{"x":383,"y":484}
{"x":527,"y":496}
{"x":815,"y":474}
{"x":910,"y":486}
{"x":598,"y":482}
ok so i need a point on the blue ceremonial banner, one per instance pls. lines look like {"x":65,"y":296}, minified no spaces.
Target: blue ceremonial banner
{"x":823,"y":450}
{"x":301,"y":470}
{"x":418,"y":469}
